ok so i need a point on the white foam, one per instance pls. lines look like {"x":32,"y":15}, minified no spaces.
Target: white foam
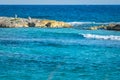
{"x":80,"y":23}
{"x":104,"y":37}
{"x":99,"y":23}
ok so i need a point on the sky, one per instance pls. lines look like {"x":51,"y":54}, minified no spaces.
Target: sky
{"x":60,"y":2}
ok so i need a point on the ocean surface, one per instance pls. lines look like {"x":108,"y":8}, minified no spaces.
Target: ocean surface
{"x":61,"y":53}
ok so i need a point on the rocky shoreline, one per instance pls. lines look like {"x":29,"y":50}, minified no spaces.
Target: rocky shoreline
{"x":15,"y":22}
{"x":115,"y":27}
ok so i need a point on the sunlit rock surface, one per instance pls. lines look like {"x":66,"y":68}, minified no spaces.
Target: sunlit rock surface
{"x":9,"y":22}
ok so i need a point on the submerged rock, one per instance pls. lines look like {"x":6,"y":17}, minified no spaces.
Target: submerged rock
{"x":22,"y":22}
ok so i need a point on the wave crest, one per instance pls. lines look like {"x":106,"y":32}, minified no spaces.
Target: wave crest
{"x":96,"y":23}
{"x":80,"y":23}
{"x":104,"y":37}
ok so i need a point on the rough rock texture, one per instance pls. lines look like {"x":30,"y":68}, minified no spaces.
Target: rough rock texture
{"x":113,"y":27}
{"x":51,"y":24}
{"x":107,"y":27}
{"x":13,"y":22}
{"x":97,"y":27}
{"x":22,"y":22}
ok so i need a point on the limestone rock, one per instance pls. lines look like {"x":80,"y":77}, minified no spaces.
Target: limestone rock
{"x":52,"y":24}
{"x":107,"y":27}
{"x":22,"y":22}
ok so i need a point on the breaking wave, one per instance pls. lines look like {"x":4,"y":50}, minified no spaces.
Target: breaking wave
{"x":97,"y":23}
{"x":104,"y":37}
{"x":80,"y":23}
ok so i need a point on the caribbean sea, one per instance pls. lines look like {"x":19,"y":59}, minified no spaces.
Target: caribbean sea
{"x":61,"y":53}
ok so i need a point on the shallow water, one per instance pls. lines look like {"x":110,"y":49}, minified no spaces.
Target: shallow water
{"x":58,"y":54}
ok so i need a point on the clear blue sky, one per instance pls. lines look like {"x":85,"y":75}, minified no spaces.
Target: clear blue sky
{"x":59,"y":1}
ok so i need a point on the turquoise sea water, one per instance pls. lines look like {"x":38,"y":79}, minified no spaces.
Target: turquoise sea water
{"x":61,"y":53}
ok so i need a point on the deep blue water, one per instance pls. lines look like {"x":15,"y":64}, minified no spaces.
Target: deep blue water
{"x":65,"y":13}
{"x":61,"y":53}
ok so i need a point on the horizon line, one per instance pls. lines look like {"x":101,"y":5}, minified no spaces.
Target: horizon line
{"x":59,"y":4}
